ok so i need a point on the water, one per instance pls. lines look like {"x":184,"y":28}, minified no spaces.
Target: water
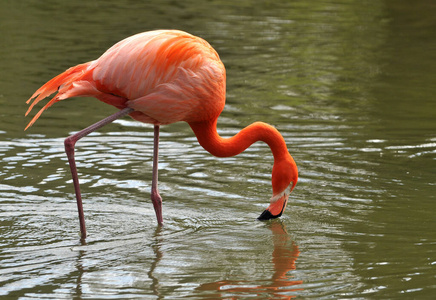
{"x":349,"y":84}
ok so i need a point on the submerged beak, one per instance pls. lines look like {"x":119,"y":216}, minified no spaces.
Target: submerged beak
{"x":275,"y":209}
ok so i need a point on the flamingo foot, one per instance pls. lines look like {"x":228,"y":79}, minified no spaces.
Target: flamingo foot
{"x":157,"y":204}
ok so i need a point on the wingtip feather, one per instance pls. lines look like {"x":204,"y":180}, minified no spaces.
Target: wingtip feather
{"x":68,"y":77}
{"x":38,"y":114}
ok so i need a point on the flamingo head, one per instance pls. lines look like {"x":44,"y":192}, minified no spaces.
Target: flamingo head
{"x":284,"y":179}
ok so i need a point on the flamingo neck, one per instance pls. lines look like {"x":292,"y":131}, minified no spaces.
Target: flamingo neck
{"x":211,"y":141}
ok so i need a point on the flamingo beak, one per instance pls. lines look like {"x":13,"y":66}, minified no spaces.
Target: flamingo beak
{"x":275,"y":209}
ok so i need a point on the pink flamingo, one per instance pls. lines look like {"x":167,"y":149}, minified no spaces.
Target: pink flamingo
{"x":161,"y":77}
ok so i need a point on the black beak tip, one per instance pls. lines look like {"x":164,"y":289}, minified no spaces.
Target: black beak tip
{"x":267,"y":215}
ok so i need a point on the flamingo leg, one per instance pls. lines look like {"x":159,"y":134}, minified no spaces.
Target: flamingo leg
{"x":69,"y":149}
{"x":155,"y":197}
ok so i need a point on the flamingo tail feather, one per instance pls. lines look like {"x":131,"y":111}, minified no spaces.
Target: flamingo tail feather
{"x":61,"y":84}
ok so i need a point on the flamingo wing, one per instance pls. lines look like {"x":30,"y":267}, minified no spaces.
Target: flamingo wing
{"x":166,"y":75}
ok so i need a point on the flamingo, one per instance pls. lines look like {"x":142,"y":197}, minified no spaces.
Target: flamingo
{"x":162,"y":77}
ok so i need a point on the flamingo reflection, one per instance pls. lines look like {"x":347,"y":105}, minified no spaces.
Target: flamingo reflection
{"x":284,"y":255}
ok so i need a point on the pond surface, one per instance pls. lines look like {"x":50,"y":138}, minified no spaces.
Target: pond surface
{"x":349,"y":84}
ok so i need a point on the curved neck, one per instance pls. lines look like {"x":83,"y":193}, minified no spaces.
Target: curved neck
{"x":216,"y":145}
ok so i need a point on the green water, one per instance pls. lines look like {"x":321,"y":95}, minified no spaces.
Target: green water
{"x":350,"y":85}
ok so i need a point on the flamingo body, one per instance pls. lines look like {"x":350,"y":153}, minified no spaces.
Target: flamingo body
{"x":166,"y":76}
